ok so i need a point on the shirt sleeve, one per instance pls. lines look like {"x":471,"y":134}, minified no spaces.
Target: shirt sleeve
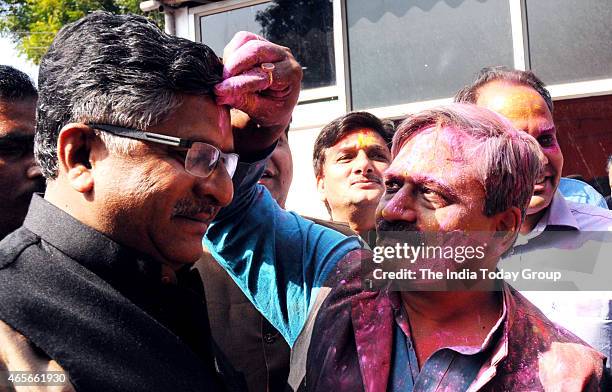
{"x":277,"y":258}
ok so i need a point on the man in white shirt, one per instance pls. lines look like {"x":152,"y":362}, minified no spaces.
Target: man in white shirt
{"x":522,"y":98}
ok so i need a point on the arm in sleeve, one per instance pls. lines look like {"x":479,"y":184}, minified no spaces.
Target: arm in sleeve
{"x":277,"y":258}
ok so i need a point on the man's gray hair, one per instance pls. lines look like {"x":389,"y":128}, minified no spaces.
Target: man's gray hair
{"x":116,"y":69}
{"x":508,"y":161}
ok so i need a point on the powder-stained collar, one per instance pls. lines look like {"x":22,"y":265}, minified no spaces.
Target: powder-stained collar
{"x":525,"y":335}
{"x":89,"y":247}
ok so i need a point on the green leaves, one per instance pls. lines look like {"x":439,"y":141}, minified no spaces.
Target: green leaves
{"x":32,"y":24}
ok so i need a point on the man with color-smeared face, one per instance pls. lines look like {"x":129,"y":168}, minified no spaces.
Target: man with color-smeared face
{"x":350,"y":155}
{"x":530,"y":112}
{"x":20,"y":176}
{"x":463,"y":173}
{"x":522,"y":98}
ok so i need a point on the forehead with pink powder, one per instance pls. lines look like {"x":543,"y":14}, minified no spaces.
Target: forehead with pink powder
{"x":439,"y":145}
{"x":437,"y":154}
{"x":506,"y":161}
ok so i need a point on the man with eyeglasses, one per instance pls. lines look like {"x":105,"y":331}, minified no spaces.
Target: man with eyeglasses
{"x":136,"y":144}
{"x":19,"y":174}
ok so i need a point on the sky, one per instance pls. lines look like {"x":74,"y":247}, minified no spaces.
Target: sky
{"x":10,"y":56}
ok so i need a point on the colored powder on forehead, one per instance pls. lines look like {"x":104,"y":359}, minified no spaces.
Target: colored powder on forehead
{"x":448,"y":148}
{"x":518,"y":105}
{"x":359,"y":139}
{"x":364,"y":140}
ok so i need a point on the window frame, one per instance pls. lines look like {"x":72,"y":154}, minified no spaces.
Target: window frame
{"x":331,"y":93}
{"x":559,"y":91}
{"x":341,"y":92}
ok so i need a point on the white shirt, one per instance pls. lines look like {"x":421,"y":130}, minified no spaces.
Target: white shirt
{"x":588,"y":314}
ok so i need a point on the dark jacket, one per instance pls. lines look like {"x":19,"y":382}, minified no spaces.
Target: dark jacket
{"x":100,"y":310}
{"x":256,"y":354}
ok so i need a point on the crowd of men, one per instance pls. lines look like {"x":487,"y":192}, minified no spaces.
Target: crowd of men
{"x":160,"y":256}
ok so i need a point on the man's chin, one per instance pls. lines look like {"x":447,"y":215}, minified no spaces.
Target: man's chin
{"x":368,"y":195}
{"x":539,"y":203}
{"x":188,"y":254}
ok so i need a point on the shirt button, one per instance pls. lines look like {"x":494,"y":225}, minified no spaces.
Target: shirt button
{"x":269,"y":338}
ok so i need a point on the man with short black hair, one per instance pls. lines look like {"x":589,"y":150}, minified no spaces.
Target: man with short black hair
{"x":349,"y":157}
{"x":135,"y":139}
{"x":20,"y":176}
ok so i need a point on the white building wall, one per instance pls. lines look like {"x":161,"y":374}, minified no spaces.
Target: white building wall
{"x":303,"y":196}
{"x":308,"y":119}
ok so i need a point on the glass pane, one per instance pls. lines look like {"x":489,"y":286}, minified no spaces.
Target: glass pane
{"x":413,"y":50}
{"x":570,"y":40}
{"x":306,"y":27}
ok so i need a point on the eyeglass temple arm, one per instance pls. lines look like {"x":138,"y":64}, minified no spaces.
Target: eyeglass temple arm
{"x":141,"y":135}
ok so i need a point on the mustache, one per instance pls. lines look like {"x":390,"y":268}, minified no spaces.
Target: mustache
{"x":389,"y":233}
{"x":383,"y":225}
{"x":369,"y":177}
{"x":191,"y":207}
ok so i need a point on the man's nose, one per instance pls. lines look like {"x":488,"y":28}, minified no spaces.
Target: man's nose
{"x":400,"y":208}
{"x":362,"y":164}
{"x":217,"y":186}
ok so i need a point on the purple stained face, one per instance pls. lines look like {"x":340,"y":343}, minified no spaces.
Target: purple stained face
{"x":432,"y":191}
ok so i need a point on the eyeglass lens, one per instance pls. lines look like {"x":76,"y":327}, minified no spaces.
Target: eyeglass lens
{"x":202,"y":159}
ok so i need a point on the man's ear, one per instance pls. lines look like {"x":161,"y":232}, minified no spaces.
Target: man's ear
{"x":321,"y":188}
{"x":74,"y":155}
{"x":508,"y":225}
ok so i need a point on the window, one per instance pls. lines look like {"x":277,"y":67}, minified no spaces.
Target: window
{"x":404,"y":51}
{"x":305,"y":26}
{"x":569,"y":40}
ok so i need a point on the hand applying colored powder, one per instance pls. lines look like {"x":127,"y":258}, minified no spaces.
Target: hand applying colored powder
{"x":267,"y":94}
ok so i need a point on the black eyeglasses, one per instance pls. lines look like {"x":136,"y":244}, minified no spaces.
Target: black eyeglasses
{"x":201,"y":159}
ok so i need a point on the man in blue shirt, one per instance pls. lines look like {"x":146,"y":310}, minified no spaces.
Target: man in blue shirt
{"x":278,"y":259}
